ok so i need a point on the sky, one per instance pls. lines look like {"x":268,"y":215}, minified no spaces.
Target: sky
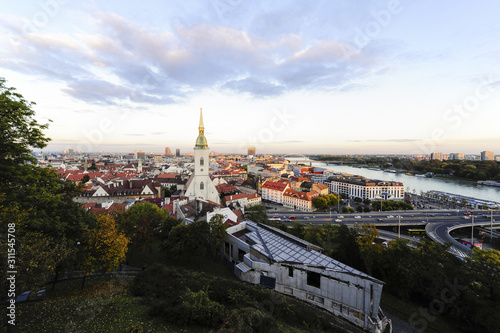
{"x":334,"y":77}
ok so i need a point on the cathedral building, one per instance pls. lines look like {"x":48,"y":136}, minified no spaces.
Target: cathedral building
{"x":199,"y":184}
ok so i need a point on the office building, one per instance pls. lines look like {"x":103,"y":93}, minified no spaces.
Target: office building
{"x":487,"y":156}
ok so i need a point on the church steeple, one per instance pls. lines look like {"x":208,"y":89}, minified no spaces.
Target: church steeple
{"x":201,"y":141}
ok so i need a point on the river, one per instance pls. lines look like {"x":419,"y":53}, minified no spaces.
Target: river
{"x":411,"y":183}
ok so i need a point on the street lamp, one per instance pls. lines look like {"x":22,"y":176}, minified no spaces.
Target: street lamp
{"x":491,"y":226}
{"x":399,"y":226}
{"x":472,"y":234}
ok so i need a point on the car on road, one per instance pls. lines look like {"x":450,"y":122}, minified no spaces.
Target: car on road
{"x":292,"y":217}
{"x":357,"y":217}
{"x":380,"y":220}
{"x":390,"y":216}
{"x":338,"y":220}
{"x":468,"y":213}
{"x":314,"y":217}
{"x":466,"y":217}
{"x":306,"y":217}
{"x":340,"y":217}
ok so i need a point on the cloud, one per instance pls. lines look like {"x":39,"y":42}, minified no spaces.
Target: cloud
{"x":254,"y":87}
{"x":122,"y":61}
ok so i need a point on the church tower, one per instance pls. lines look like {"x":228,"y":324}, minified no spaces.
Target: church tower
{"x":199,"y":184}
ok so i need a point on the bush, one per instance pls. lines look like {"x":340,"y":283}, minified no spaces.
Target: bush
{"x":347,"y":210}
{"x":198,"y":308}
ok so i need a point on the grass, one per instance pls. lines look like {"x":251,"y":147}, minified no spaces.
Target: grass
{"x":405,"y":309}
{"x":104,"y":305}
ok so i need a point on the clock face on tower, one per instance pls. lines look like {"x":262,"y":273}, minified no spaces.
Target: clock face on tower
{"x":201,"y":169}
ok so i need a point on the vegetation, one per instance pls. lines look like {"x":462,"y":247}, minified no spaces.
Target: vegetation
{"x":391,"y":205}
{"x":226,"y":305}
{"x":104,"y":245}
{"x":325,"y":201}
{"x":48,"y":223}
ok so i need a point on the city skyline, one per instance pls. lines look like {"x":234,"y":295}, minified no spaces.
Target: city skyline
{"x":334,"y":78}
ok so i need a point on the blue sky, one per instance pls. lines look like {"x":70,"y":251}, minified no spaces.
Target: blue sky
{"x":308,"y":77}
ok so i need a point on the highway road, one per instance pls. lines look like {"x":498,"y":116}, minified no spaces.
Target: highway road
{"x":438,"y":223}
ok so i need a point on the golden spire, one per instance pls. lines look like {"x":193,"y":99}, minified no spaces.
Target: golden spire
{"x":201,"y":141}
{"x":201,"y":120}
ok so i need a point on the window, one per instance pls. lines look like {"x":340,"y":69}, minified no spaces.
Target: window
{"x":290,"y":271}
{"x":202,"y":186}
{"x":202,"y":161}
{"x":226,"y":249}
{"x":314,"y":279}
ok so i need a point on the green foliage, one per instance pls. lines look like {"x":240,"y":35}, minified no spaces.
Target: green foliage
{"x":248,"y":308}
{"x":320,"y":202}
{"x":325,"y":201}
{"x":197,"y":308}
{"x":52,"y":220}
{"x":145,"y":224}
{"x":196,"y":240}
{"x":391,"y":205}
{"x":19,"y":131}
{"x":347,"y":210}
{"x":217,"y":232}
{"x":37,"y":255}
{"x":258,"y":213}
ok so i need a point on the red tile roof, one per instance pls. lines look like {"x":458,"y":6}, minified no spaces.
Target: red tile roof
{"x":274,"y":186}
{"x":300,"y":195}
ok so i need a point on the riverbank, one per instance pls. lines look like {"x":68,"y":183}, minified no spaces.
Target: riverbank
{"x":419,"y":185}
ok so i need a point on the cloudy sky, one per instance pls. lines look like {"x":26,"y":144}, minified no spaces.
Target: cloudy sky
{"x":283,"y":76}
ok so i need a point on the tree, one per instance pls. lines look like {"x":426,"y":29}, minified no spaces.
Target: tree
{"x":36,"y":254}
{"x":85,"y":179}
{"x":105,"y":246}
{"x":51,"y":214}
{"x":19,"y":131}
{"x":258,"y":213}
{"x":320,"y":202}
{"x":217,"y":232}
{"x":190,"y":241}
{"x":347,"y":210}
{"x":144,"y":224}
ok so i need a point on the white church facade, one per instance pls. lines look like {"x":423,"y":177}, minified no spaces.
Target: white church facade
{"x":199,"y":184}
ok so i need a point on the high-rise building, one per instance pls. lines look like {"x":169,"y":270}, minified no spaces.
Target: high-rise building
{"x":177,"y":152}
{"x":437,"y":156}
{"x":140,"y":155}
{"x":199,"y":184}
{"x":487,"y":156}
{"x":168,"y":152}
{"x":251,"y":151}
{"x":457,"y":156}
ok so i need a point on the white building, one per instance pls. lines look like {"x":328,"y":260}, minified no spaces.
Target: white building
{"x":273,"y":191}
{"x":253,"y":199}
{"x":268,"y":256}
{"x":360,"y":187}
{"x":199,"y":184}
{"x":299,"y":200}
